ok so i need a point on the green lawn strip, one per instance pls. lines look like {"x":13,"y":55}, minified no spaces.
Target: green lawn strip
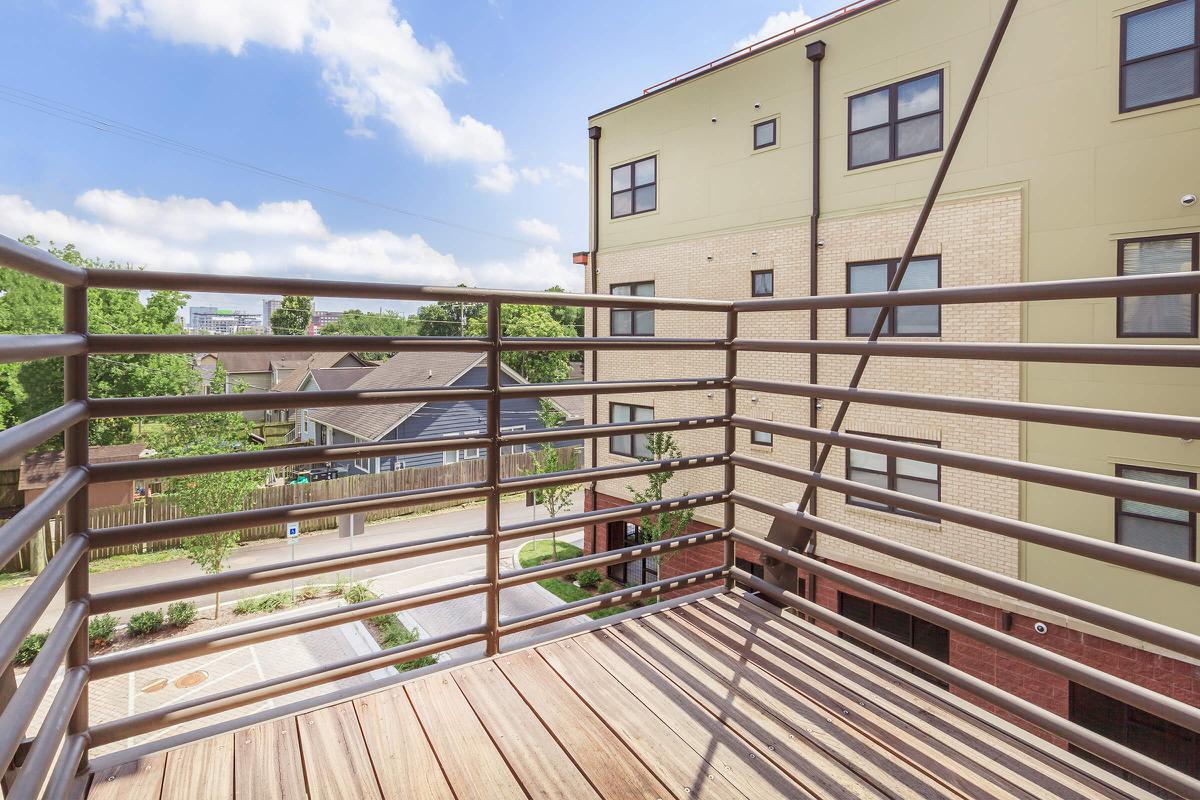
{"x":539,"y":552}
{"x":9,"y":580}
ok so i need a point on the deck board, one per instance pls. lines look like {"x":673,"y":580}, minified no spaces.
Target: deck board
{"x":716,"y":699}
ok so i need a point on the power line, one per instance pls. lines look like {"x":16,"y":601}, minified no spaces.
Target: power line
{"x":79,"y":116}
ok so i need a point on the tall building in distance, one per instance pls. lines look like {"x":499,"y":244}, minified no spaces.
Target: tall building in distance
{"x":322,"y":318}
{"x":269,"y":307}
{"x":1072,"y":166}
{"x":223,"y":321}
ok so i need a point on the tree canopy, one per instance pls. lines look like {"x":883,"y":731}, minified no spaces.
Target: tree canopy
{"x":292,"y":317}
{"x":371,"y":323}
{"x":446,"y":318}
{"x":31,"y":305}
{"x":537,"y":366}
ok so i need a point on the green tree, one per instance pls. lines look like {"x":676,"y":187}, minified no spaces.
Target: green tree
{"x":537,"y":366}
{"x":30,"y":305}
{"x":569,"y":316}
{"x":214,"y":492}
{"x":292,"y":316}
{"x":448,"y":318}
{"x":370,"y":323}
{"x":547,"y":459}
{"x":665,"y":524}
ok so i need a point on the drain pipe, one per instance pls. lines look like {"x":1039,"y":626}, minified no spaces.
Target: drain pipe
{"x":594,"y":136}
{"x":815,"y":51}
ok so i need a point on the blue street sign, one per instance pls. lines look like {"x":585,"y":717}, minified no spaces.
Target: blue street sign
{"x":293,"y":531}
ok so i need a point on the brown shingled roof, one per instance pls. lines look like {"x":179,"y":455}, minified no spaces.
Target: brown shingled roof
{"x":39,"y":470}
{"x":240,"y":363}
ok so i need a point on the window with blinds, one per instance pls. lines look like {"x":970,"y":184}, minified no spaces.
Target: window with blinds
{"x":1160,"y":55}
{"x":1161,"y":315}
{"x":1157,"y":529}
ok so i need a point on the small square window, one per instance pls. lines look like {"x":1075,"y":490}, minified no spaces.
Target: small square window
{"x":762,"y":438}
{"x":764,"y":134}
{"x":1160,"y":55}
{"x":1168,"y":315}
{"x":762,"y":283}
{"x":635,"y":187}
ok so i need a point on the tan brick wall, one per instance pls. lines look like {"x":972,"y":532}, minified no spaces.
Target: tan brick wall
{"x":979,"y":240}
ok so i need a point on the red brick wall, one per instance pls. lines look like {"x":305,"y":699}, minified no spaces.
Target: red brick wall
{"x":1162,"y":674}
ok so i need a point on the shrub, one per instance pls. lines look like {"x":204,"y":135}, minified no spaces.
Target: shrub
{"x":181,"y":613}
{"x":30,"y":647}
{"x":589,"y":578}
{"x":605,"y":587}
{"x":339,"y":585}
{"x":394,"y":633}
{"x":309,"y":591}
{"x":102,"y":629}
{"x":145,"y":623}
{"x":261,"y":604}
{"x":358,"y":593}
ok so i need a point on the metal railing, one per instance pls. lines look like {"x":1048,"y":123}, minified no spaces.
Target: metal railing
{"x":67,"y":722}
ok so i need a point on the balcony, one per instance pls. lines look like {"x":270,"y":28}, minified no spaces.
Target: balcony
{"x":710,"y":692}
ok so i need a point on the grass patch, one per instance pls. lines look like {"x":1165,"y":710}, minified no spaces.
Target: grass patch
{"x":391,"y":632}
{"x":10,"y":580}
{"x":541,"y":551}
{"x":262,"y":604}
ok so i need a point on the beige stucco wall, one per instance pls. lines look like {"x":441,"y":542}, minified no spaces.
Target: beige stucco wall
{"x":1067,"y":176}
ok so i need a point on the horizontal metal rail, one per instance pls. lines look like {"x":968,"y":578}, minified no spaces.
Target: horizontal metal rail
{"x":108,"y":732}
{"x":545,"y":617}
{"x":40,"y":758}
{"x":270,"y":401}
{"x":28,"y":522}
{"x":518,"y":529}
{"x":275,"y":457}
{"x":37,"y":596}
{"x":25,"y":436}
{"x":1126,"y":421}
{"x":39,"y":263}
{"x":249,"y":284}
{"x":611,"y":343}
{"x":1048,"y":721}
{"x":1127,"y":692}
{"x":1074,"y":289}
{"x":523,"y":483}
{"x":610,"y":387}
{"x":1162,"y":635}
{"x":609,"y":557}
{"x":1106,"y":485}
{"x":261,"y":343}
{"x":18,"y":712}
{"x":605,"y":429}
{"x":1141,"y":355}
{"x":134,"y":596}
{"x":142,"y":532}
{"x":38,"y":346}
{"x":1142,"y":560}
{"x":269,"y":629}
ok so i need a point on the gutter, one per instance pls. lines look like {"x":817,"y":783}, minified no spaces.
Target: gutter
{"x":815,"y":52}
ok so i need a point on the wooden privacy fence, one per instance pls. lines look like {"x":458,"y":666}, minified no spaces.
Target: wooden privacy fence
{"x":160,"y":507}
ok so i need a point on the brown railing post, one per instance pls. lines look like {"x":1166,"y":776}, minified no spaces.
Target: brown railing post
{"x":731,"y":332}
{"x":493,"y":478}
{"x":75,"y":388}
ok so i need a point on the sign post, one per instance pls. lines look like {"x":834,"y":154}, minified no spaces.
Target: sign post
{"x":293,"y":534}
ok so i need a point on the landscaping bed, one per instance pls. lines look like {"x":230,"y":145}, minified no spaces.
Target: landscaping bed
{"x":573,"y":587}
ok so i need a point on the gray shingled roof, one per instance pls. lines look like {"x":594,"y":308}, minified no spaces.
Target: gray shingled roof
{"x":340,"y":377}
{"x":294,"y":379}
{"x":236,"y":363}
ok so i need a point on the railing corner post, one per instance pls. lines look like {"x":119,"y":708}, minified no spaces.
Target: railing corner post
{"x":731,"y":332}
{"x":493,"y":477}
{"x":75,"y":447}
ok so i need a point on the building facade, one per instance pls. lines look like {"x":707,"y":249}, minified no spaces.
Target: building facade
{"x":1080,"y":160}
{"x":223,"y":321}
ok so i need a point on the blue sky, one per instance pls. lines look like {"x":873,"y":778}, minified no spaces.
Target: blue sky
{"x":472,"y":111}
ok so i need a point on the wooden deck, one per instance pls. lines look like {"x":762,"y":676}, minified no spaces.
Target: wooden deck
{"x":713,"y":699}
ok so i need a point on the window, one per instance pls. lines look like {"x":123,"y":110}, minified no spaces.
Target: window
{"x":918,"y":478}
{"x":765,"y":134}
{"x":1164,"y":741}
{"x":1158,"y":529}
{"x":925,"y":637}
{"x":762,"y":437}
{"x":924,"y":272}
{"x":631,"y":573}
{"x":1160,"y":55}
{"x":512,"y":449}
{"x":762,"y":283}
{"x":632,"y":322}
{"x":897,"y":121}
{"x":470,"y":454}
{"x":753,"y":567}
{"x":633,"y":445}
{"x":1161,"y":315}
{"x":635,"y":187}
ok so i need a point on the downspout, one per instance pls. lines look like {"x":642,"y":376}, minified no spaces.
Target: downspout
{"x":815,"y":52}
{"x":594,"y":136}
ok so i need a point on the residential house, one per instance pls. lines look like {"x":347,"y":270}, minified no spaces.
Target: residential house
{"x":251,"y":372}
{"x":318,"y":371}
{"x":39,"y":470}
{"x":411,"y":420}
{"x":1080,"y":161}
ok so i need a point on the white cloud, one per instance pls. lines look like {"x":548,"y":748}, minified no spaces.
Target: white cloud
{"x":774,"y":24}
{"x":572,"y":171}
{"x":537,"y":229}
{"x":280,"y":238}
{"x":371,"y":61}
{"x":535,"y":175}
{"x":501,"y":179}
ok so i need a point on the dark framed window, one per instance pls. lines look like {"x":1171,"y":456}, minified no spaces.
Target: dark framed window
{"x":766,"y":134}
{"x":897,"y":121}
{"x":1162,"y":740}
{"x":632,"y":445}
{"x":635,"y":187}
{"x":753,"y":567}
{"x":924,"y":272}
{"x":924,"y":637}
{"x":762,"y":283}
{"x":907,"y":475}
{"x":762,"y":437}
{"x":632,"y":321}
{"x":1159,"y":529}
{"x":631,"y":573}
{"x":1162,"y":315}
{"x":1160,"y":55}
